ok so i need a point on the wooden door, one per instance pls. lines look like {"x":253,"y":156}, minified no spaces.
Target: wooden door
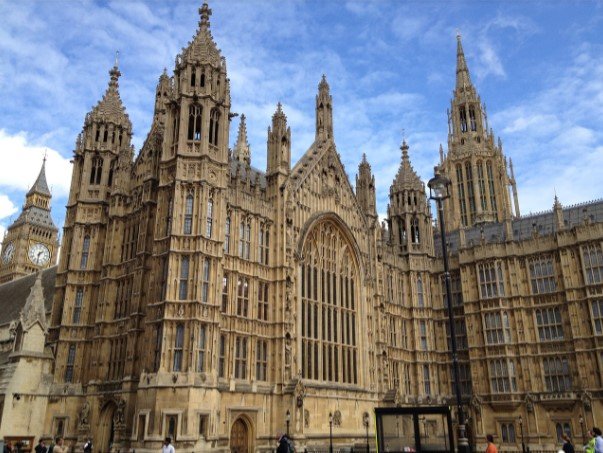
{"x":239,"y":437}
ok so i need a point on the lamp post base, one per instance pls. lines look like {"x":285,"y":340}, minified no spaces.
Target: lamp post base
{"x":463,"y":442}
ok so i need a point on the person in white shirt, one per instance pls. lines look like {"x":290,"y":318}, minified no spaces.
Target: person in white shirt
{"x":167,"y":446}
{"x":598,"y":440}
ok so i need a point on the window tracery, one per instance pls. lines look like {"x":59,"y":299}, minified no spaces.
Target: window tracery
{"x":329,"y":279}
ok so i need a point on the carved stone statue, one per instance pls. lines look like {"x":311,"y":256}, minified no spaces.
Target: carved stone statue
{"x":119,"y":419}
{"x":84,"y":418}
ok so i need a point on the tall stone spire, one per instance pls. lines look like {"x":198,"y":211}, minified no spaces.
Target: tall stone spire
{"x":242,"y":151}
{"x":463,"y":80}
{"x":407,"y":177}
{"x":34,"y":311}
{"x":365,"y":188}
{"x":279,"y":144}
{"x":111,"y":107}
{"x":40,"y":186}
{"x":203,"y":48}
{"x":408,"y":210}
{"x":324,"y":111}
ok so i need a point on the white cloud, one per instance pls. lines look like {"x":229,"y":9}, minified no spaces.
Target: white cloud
{"x":7,"y":207}
{"x":21,"y":161}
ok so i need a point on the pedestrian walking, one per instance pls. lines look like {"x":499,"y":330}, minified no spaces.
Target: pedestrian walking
{"x":59,"y":446}
{"x":41,"y":447}
{"x":568,"y":447}
{"x":167,"y":446}
{"x":491,"y":448}
{"x":598,"y":440}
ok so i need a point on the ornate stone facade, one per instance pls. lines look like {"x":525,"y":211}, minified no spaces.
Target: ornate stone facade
{"x":202,"y":298}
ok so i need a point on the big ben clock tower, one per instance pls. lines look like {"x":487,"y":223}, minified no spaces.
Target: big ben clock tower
{"x":30,"y":243}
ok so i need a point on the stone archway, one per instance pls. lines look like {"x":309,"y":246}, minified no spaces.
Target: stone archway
{"x":105,"y":432}
{"x":240,"y":436}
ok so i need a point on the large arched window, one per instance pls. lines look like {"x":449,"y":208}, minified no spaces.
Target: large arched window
{"x":420,"y":297}
{"x":188,"y":215}
{"x":227,"y":236}
{"x":85,"y":252}
{"x":214,"y":126}
{"x":194,"y":122}
{"x":461,"y":194}
{"x":96,"y":170}
{"x":329,"y":285}
{"x":210,"y":218}
{"x":414,"y":230}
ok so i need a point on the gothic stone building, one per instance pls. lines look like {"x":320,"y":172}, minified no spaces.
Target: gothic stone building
{"x":199,"y":297}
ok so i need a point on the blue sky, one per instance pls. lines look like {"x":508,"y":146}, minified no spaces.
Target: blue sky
{"x":538,"y":67}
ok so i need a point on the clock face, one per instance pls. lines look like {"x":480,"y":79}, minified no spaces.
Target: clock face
{"x":39,"y":254}
{"x":8,"y":253}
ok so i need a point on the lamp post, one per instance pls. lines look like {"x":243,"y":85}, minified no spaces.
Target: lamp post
{"x":330,"y":432}
{"x":288,"y":420}
{"x":365,"y":421}
{"x":523,"y":445}
{"x":581,"y":421}
{"x":439,"y":190}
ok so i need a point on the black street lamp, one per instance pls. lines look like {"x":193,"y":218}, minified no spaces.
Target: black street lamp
{"x":523,"y":445}
{"x":288,"y":420}
{"x":365,"y":421}
{"x":439,"y":190}
{"x":581,"y":421}
{"x":330,"y":432}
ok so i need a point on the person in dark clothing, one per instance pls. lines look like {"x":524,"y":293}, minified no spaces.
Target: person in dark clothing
{"x":284,"y":445}
{"x":41,"y":447}
{"x":88,"y":446}
{"x":567,"y":444}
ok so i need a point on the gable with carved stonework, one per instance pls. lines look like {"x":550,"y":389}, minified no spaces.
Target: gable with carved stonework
{"x":319,"y":183}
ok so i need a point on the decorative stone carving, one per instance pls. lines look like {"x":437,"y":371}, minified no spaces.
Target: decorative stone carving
{"x":476,"y":404}
{"x":119,"y":418}
{"x":587,"y":400}
{"x":529,"y":400}
{"x":288,"y":360}
{"x":300,"y":392}
{"x":84,"y":417}
{"x":337,"y":418}
{"x":34,"y":311}
{"x":306,"y":418}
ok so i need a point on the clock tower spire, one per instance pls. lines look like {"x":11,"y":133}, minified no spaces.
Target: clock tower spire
{"x":31,"y":242}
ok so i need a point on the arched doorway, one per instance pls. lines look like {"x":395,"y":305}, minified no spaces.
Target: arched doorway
{"x":239,"y":437}
{"x":106,"y":430}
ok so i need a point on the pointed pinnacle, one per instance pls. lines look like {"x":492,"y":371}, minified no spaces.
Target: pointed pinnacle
{"x":114,"y":73}
{"x":404,"y":149}
{"x":463,"y":78}
{"x":204,"y":12}
{"x":323,"y":83}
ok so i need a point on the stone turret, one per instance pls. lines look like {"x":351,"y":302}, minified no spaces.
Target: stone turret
{"x":475,"y":163}
{"x":279,"y":144}
{"x":324,"y":111}
{"x":242,"y":150}
{"x":408,"y":211}
{"x":365,"y":188}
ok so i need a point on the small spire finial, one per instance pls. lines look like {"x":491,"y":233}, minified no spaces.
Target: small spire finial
{"x":114,"y":72}
{"x":404,"y":146}
{"x":204,"y":12}
{"x":45,"y":155}
{"x":323,"y":85}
